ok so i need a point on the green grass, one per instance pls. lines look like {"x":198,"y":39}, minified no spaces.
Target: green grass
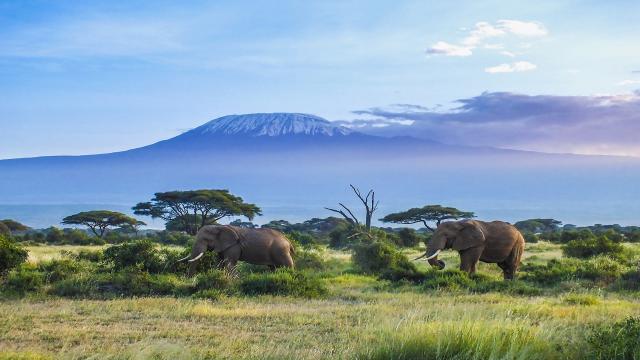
{"x":359,"y":317}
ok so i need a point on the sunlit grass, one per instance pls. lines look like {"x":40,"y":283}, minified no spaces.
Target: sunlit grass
{"x":360,"y":317}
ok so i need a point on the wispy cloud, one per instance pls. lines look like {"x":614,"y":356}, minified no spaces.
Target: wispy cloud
{"x":628,"y":82}
{"x":607,"y":124}
{"x":483,"y":31}
{"x":444,"y":48}
{"x":518,"y":66}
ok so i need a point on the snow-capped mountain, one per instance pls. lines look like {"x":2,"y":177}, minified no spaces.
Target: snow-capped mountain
{"x":295,"y":164}
{"x":271,"y":124}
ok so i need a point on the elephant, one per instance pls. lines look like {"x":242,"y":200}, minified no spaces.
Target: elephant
{"x":233,"y":244}
{"x":491,"y":242}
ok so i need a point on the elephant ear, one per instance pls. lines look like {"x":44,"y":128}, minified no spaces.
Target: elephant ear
{"x":469,"y":236}
{"x":227,"y":237}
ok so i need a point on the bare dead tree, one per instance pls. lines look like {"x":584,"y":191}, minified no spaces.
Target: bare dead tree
{"x":370,"y":206}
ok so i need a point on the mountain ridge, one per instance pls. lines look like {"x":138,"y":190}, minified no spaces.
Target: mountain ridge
{"x":271,"y":124}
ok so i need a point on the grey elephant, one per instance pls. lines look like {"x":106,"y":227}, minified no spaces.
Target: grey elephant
{"x":233,"y":244}
{"x":491,"y":242}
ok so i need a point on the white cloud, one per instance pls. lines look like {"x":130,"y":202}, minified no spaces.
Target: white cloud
{"x":523,"y":28}
{"x":628,"y":82}
{"x":508,"y":53}
{"x":483,"y":31}
{"x":444,"y":48}
{"x":518,"y":66}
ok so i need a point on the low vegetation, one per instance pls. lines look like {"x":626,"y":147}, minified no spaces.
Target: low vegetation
{"x":347,"y":293}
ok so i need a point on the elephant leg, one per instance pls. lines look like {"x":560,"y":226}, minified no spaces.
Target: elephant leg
{"x":272,"y":267}
{"x":510,"y":265}
{"x":469,"y":259}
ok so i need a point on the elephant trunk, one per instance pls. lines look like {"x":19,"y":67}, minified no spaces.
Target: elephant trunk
{"x":196,"y":253}
{"x":432,"y":252}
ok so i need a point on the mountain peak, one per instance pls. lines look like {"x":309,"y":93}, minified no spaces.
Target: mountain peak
{"x":271,"y":124}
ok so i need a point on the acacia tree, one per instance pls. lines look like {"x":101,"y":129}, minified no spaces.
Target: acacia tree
{"x":98,"y":221}
{"x":370,"y":206}
{"x":191,"y":210}
{"x":426,"y":214}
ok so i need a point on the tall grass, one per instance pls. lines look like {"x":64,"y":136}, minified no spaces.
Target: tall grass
{"x":464,"y":340}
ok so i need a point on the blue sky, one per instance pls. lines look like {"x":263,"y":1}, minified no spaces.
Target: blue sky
{"x":93,"y":76}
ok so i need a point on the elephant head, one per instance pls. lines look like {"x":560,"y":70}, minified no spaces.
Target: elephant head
{"x":217,"y":238}
{"x":457,"y":235}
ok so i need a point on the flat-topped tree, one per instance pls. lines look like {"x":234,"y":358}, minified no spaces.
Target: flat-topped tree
{"x":427,"y":214}
{"x":13,"y":225}
{"x":99,"y":221}
{"x":191,"y":210}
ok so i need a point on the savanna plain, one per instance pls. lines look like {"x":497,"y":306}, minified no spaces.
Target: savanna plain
{"x":340,"y":313}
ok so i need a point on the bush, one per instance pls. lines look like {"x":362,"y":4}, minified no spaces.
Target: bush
{"x":59,"y":269}
{"x":618,"y":341}
{"x":383,"y":259}
{"x":141,"y":254}
{"x":530,"y":238}
{"x":339,"y":238}
{"x":593,"y":246}
{"x":629,"y":281}
{"x":602,"y":269}
{"x":409,"y":238}
{"x":214,"y":279}
{"x":124,"y":283}
{"x":303,"y":239}
{"x":11,"y":255}
{"x":450,"y":279}
{"x":24,"y":279}
{"x":309,"y":260}
{"x":283,"y":282}
{"x":88,"y":255}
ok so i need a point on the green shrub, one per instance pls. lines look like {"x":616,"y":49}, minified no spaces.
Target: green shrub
{"x":11,"y":255}
{"x":340,"y":237}
{"x":383,"y":259}
{"x":629,"y":281}
{"x":89,"y":255}
{"x":141,"y":254}
{"x":600,"y":269}
{"x":450,"y":279}
{"x":124,"y":283}
{"x":409,"y":238}
{"x":303,"y":239}
{"x":58,"y":269}
{"x":283,"y":282}
{"x":530,"y":238}
{"x":24,"y":279}
{"x":620,"y":340}
{"x":309,"y":260}
{"x":214,"y":279}
{"x":592,"y":246}
{"x":4,"y":230}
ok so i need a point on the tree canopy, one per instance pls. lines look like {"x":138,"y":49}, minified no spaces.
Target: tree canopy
{"x":427,"y":214}
{"x":538,"y":225}
{"x":7,"y":226}
{"x":98,"y":221}
{"x":195,"y":208}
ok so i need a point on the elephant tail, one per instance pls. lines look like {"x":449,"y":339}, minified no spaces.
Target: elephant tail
{"x":292,"y":249}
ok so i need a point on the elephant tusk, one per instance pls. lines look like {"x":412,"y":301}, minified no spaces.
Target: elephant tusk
{"x":197,"y":257}
{"x":184,"y":258}
{"x":420,"y":257}
{"x":434,"y":255}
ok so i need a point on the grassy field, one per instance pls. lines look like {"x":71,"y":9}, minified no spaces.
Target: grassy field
{"x":360,"y":318}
